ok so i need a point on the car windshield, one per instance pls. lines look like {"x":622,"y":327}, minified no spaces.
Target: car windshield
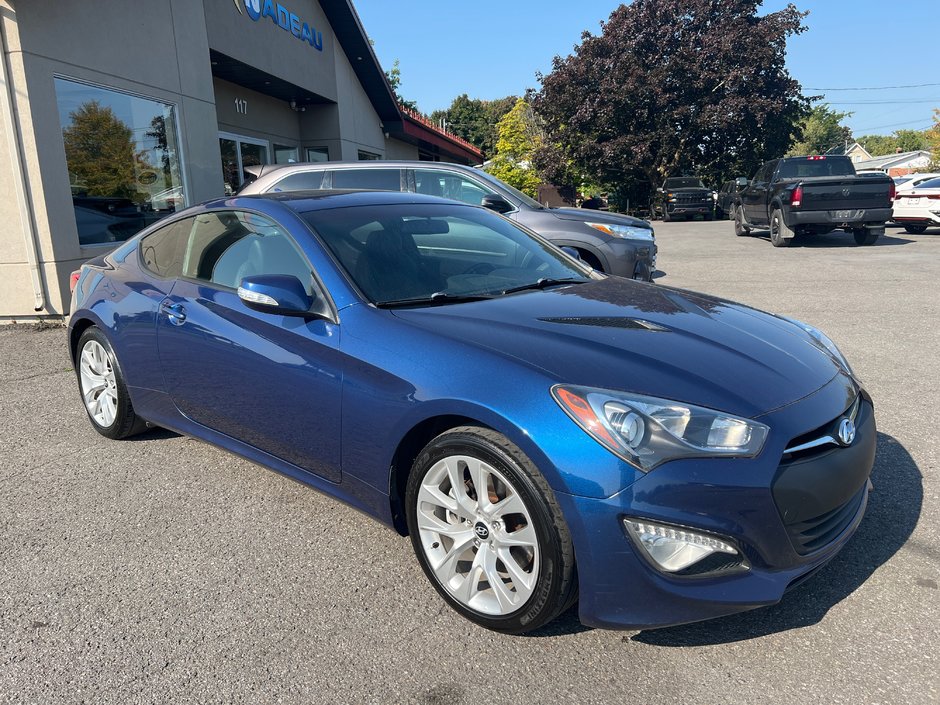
{"x":528,"y":200}
{"x":414,"y":254}
{"x":932,"y":183}
{"x":684,"y":183}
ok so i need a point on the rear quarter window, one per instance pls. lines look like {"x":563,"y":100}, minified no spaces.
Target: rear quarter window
{"x":161,"y":252}
{"x":374,"y":179}
{"x":301,"y":181}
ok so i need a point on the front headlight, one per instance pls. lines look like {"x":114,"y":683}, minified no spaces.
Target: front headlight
{"x":824,"y":343}
{"x":627,"y":231}
{"x":646,"y":431}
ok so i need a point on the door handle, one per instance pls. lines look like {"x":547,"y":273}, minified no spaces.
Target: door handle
{"x":174,"y":312}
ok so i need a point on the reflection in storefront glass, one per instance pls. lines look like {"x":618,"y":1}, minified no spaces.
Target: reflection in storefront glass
{"x":229,"y":165}
{"x":123,"y":158}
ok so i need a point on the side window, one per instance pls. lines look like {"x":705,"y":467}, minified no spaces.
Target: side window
{"x":161,"y":252}
{"x":301,"y":181}
{"x":376,"y":179}
{"x":763,"y":174}
{"x":437,"y":182}
{"x":227,"y":246}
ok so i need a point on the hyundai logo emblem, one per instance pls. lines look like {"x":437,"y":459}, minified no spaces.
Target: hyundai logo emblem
{"x":846,"y":432}
{"x":483,"y":532}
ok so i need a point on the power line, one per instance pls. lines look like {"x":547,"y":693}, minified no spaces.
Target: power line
{"x":893,"y":124}
{"x":882,"y":102}
{"x":876,"y":88}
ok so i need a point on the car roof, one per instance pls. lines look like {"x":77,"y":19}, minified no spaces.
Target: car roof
{"x":260,"y":170}
{"x":315,"y":200}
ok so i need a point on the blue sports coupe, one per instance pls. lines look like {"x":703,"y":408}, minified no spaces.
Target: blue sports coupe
{"x":544,"y":433}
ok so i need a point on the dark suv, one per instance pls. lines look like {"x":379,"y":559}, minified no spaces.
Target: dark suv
{"x":609,"y":242}
{"x":683,"y":196}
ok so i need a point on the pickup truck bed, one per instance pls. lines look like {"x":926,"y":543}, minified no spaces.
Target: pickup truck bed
{"x":800,"y":196}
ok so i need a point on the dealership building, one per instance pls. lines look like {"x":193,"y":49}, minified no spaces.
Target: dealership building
{"x":116,"y":113}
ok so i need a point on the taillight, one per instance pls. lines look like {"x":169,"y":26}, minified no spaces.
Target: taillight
{"x":815,"y":158}
{"x":796,"y":198}
{"x":892,"y":191}
{"x":73,"y":279}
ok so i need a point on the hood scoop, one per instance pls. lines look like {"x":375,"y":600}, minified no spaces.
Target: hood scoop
{"x":624,"y":322}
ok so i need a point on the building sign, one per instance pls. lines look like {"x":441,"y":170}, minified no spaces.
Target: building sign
{"x":283,"y":18}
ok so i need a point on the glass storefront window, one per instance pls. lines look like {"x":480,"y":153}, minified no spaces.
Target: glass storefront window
{"x":123,"y":157}
{"x":239,"y":152}
{"x":318,"y":154}
{"x":284,"y":154}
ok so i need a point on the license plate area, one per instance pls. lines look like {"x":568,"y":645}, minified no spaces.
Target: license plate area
{"x":846,"y":216}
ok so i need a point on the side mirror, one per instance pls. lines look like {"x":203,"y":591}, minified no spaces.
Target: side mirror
{"x":496,"y":203}
{"x":571,"y":252}
{"x":741,"y":182}
{"x":276,"y":293}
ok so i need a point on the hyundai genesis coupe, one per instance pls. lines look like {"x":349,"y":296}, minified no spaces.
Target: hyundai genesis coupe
{"x":544,"y":433}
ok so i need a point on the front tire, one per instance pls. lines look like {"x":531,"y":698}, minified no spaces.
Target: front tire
{"x":488,"y":532}
{"x":780,"y":234}
{"x":104,"y":392}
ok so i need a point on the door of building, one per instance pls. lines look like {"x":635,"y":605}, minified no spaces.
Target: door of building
{"x":238,"y":152}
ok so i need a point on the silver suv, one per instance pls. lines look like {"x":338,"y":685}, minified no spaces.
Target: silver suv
{"x":610,"y":242}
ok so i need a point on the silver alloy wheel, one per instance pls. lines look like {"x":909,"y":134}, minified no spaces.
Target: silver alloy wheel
{"x":477,"y":535}
{"x":99,"y":385}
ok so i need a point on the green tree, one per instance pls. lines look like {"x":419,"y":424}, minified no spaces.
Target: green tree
{"x":517,"y":141}
{"x":910,"y":140}
{"x":99,"y":151}
{"x":933,"y":141}
{"x":878,"y":145}
{"x":820,"y":131}
{"x":475,"y":120}
{"x":394,"y":80}
{"x":670,"y":86}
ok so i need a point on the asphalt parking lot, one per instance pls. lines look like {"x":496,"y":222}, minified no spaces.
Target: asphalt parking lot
{"x":160,"y":569}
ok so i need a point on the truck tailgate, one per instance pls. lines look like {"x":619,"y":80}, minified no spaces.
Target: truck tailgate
{"x":845,"y":193}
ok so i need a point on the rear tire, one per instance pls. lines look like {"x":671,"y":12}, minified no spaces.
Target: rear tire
{"x":864,"y":236}
{"x":666,"y":217}
{"x":915,"y":229}
{"x":101,"y":384}
{"x":488,"y":532}
{"x":780,"y":234}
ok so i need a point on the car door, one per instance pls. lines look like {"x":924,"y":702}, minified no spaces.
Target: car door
{"x":271,"y":381}
{"x":754,"y":196}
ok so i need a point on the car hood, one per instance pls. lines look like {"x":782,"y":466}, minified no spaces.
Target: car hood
{"x":584,"y":215}
{"x":618,"y":334}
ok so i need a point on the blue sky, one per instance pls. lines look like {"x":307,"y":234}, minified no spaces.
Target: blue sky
{"x":490,"y":49}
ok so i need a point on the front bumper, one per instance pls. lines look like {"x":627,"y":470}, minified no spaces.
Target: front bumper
{"x":757,"y":503}
{"x":633,"y":259}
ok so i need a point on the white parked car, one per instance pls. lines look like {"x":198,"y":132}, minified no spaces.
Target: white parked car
{"x":918,"y":208}
{"x":910,"y":181}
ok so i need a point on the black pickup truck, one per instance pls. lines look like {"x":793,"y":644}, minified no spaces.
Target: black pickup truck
{"x":812,"y":195}
{"x":683,"y":196}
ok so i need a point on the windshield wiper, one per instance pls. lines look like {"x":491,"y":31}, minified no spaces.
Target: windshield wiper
{"x":543,"y":283}
{"x":436,"y":299}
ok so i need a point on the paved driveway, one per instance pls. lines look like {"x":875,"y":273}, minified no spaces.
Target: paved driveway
{"x":163,"y":570}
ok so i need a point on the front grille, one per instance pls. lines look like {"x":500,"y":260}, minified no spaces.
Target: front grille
{"x":812,"y":534}
{"x":688,"y":199}
{"x":819,"y":490}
